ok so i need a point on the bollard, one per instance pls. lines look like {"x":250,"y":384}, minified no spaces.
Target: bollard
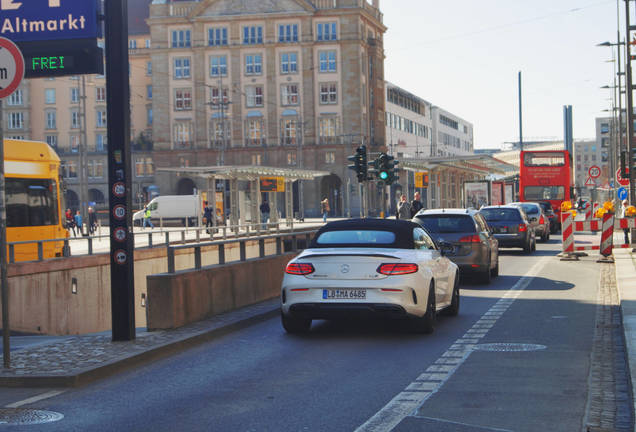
{"x":279,"y":246}
{"x":242,"y":250}
{"x":167,"y":238}
{"x":294,"y":243}
{"x":198,"y":235}
{"x":90,"y":245}
{"x":150,"y":239}
{"x":170,"y":259}
{"x":221,"y":254}
{"x":261,"y":247}
{"x":40,"y":251}
{"x":197,"y":257}
{"x":183,"y":237}
{"x":11,"y":253}
{"x":66,"y":249}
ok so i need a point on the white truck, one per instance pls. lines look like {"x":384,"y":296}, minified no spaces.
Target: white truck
{"x":183,"y":209}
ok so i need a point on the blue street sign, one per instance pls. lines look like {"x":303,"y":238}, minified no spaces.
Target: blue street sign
{"x":38,"y":20}
{"x":622,"y":193}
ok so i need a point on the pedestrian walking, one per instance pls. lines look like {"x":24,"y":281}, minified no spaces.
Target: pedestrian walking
{"x":265,"y":210}
{"x":207,"y":217}
{"x":78,"y":223}
{"x":147,"y":215}
{"x":70,"y":223}
{"x":625,"y":230}
{"x":416,"y":204}
{"x":404,"y":208}
{"x":92,"y":220}
{"x":324,"y":209}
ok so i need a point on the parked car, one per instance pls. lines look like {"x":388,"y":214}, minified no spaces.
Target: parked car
{"x":380,"y":267}
{"x":476,"y":250}
{"x":510,"y":226}
{"x":537,"y":219}
{"x":555,"y":223}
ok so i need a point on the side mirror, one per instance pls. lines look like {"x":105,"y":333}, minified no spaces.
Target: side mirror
{"x":446,"y":248}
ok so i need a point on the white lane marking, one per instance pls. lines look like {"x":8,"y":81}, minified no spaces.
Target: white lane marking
{"x":409,"y":401}
{"x":34,"y":399}
{"x":465,"y":424}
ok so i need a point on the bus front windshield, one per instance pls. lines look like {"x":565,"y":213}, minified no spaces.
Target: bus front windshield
{"x":31,"y":202}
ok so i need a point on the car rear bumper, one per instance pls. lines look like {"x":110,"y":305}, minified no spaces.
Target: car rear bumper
{"x":512,"y":240}
{"x":343,"y":310}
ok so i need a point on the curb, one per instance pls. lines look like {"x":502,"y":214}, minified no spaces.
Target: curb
{"x":124,"y":363}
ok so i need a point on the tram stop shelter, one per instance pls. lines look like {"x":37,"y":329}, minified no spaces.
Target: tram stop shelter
{"x":260,"y":179}
{"x":446,"y":176}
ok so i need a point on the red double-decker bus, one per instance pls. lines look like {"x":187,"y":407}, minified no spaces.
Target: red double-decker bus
{"x":545,"y":175}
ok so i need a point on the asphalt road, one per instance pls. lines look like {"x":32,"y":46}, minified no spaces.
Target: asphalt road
{"x":369,"y":376}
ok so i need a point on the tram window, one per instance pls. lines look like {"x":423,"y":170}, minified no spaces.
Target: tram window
{"x":31,"y":202}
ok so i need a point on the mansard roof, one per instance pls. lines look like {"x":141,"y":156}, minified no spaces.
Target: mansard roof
{"x":222,"y":8}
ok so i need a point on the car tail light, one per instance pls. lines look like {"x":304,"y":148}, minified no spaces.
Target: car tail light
{"x":523,"y":227}
{"x":397,"y":269}
{"x":541,"y":220}
{"x":470,"y":239}
{"x":299,"y":269}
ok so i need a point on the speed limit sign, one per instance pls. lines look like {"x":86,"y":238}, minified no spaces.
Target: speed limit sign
{"x":594,"y":171}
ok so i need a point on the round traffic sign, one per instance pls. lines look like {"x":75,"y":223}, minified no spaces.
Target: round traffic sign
{"x":120,"y":234}
{"x":120,"y":256}
{"x":119,"y":189}
{"x":594,"y":171}
{"x":11,"y":67}
{"x":622,"y":178}
{"x":119,"y":211}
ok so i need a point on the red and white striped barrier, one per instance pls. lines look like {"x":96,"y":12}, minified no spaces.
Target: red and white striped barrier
{"x":607,"y":235}
{"x":588,"y":225}
{"x":567,"y":232}
{"x":588,"y":212}
{"x":625,"y":223}
{"x":595,"y":208}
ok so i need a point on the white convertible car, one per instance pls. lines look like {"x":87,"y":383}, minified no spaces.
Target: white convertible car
{"x":385,"y":267}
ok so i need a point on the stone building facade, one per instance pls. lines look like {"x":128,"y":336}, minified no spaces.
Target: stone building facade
{"x":281,"y":83}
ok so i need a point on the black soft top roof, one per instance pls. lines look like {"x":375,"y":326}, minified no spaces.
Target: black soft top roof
{"x":403,"y":230}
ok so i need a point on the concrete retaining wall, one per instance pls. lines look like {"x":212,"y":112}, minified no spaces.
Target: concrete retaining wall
{"x":177,"y":299}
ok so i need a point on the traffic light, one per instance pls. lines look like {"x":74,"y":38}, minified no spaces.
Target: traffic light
{"x":359,"y":163}
{"x":385,"y":166}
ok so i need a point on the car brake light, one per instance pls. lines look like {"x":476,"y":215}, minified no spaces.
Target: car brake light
{"x":299,"y":269}
{"x":541,"y":220}
{"x":523,"y":227}
{"x":470,"y":239}
{"x":397,"y":269}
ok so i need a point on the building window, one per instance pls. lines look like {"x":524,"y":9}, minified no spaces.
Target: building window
{"x":149,"y":92}
{"x":254,"y":96}
{"x":95,"y":169}
{"x":217,"y":36}
{"x":289,"y":94}
{"x":100,"y":143}
{"x":330,"y":158}
{"x":288,"y":33}
{"x":144,"y":167}
{"x":215,"y":97}
{"x":289,"y":129}
{"x":255,"y":132}
{"x":74,"y":143}
{"x":604,"y":127}
{"x":69,"y":169}
{"x":291,"y":158}
{"x":183,"y":99}
{"x":256,"y":159}
{"x":148,"y":68}
{"x":252,"y":35}
{"x":182,"y":135}
{"x":52,"y":141}
{"x":181,"y":39}
{"x":149,"y":115}
{"x":101,"y":118}
{"x":51,"y":120}
{"x":218,"y":66}
{"x":74,"y":95}
{"x":220,"y":132}
{"x":326,"y":31}
{"x":75,"y":119}
{"x":448,"y":122}
{"x":100,"y":94}
{"x":182,"y":67}
{"x":288,"y":63}
{"x":49,"y":95}
{"x":328,"y":93}
{"x":253,"y":64}
{"x":148,"y":43}
{"x":15,"y":98}
{"x":327,"y":61}
{"x":16,"y":120}
{"x":132,"y":44}
{"x":327,"y":130}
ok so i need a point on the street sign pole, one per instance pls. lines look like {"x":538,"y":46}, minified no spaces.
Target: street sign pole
{"x":630,"y":109}
{"x":122,"y":286}
{"x":6,"y":345}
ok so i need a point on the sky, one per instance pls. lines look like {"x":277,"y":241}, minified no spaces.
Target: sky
{"x":465,"y":55}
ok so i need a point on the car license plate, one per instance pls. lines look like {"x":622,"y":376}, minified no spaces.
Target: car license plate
{"x":503,"y":230}
{"x":349,"y":294}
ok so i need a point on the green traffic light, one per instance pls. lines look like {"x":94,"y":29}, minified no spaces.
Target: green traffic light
{"x":383,"y":175}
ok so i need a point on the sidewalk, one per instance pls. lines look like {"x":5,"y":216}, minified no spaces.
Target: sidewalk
{"x":68,"y":361}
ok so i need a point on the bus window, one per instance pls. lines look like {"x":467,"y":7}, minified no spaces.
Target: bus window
{"x":544,"y":159}
{"x":541,"y":193}
{"x":31,"y":202}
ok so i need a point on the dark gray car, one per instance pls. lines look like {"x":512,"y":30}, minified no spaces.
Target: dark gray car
{"x":475,"y":248}
{"x":537,"y":218}
{"x":510,"y":225}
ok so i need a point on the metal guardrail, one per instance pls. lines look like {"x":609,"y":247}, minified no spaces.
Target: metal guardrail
{"x":242,"y":247}
{"x":231,"y":231}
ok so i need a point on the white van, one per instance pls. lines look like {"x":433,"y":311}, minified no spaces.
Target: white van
{"x":172,"y":208}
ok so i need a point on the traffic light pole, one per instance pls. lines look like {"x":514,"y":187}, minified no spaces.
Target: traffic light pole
{"x":630,"y":110}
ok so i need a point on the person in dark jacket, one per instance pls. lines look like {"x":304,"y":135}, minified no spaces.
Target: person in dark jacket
{"x":265,"y":210}
{"x":92,"y":220}
{"x":416,"y":204}
{"x":208,"y":215}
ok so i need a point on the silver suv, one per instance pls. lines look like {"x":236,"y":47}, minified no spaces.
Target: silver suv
{"x":476,"y":250}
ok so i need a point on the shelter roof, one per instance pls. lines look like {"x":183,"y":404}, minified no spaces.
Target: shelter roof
{"x":247,"y":172}
{"x":483,"y":164}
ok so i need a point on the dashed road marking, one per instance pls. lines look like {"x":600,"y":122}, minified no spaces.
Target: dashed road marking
{"x":34,"y":399}
{"x":417,"y":393}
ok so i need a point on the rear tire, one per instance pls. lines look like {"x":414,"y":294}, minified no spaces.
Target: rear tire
{"x":426,"y":324}
{"x":295,"y":325}
{"x":528,"y":247}
{"x":495,"y":272}
{"x":453,"y":309}
{"x":534,"y":245}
